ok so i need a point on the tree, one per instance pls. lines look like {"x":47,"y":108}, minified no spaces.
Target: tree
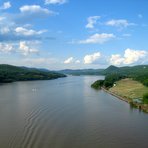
{"x":145,"y":98}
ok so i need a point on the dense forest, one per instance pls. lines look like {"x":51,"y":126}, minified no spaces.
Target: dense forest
{"x":9,"y":73}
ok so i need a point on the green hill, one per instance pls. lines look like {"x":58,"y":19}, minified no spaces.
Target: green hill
{"x":113,"y":74}
{"x":111,"y":69}
{"x":139,"y":73}
{"x":9,"y":73}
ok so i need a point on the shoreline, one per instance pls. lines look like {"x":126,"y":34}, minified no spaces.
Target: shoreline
{"x":142,"y":107}
{"x":115,"y":95}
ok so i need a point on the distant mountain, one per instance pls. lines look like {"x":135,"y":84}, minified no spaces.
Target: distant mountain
{"x":9,"y":73}
{"x":81,"y":71}
{"x":126,"y":70}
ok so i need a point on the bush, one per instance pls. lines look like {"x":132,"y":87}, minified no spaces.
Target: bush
{"x":98,"y":84}
{"x":145,"y":98}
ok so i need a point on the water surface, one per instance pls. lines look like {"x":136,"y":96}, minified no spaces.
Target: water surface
{"x":67,"y":113}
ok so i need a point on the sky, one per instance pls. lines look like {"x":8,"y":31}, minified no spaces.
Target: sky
{"x":73,"y":34}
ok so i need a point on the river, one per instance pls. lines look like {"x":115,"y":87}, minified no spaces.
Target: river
{"x":67,"y":113}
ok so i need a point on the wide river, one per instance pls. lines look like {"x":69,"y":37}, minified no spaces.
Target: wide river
{"x":68,"y":113}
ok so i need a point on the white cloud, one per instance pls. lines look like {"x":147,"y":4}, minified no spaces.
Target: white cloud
{"x":23,"y":47}
{"x":6,"y":48}
{"x":11,"y":31}
{"x":98,"y":38}
{"x":116,"y":59}
{"x":92,"y":58}
{"x":28,"y":32}
{"x":35,"y":9}
{"x":5,"y":6}
{"x":69,"y":60}
{"x":119,"y":23}
{"x":92,"y":20}
{"x":26,"y":50}
{"x":77,"y":61}
{"x":55,"y":1}
{"x":4,"y":30}
{"x":131,"y":56}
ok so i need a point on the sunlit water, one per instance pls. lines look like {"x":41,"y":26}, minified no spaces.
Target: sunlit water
{"x":67,"y":113}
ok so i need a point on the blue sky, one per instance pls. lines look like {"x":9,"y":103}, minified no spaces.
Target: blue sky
{"x":75,"y":34}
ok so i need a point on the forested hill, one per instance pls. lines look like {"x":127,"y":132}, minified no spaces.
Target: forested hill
{"x":139,"y":73}
{"x":9,"y":73}
{"x":113,"y":74}
{"x":129,"y":70}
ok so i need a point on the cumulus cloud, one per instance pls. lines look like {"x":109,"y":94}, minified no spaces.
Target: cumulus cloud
{"x":92,"y":20}
{"x":33,"y":9}
{"x":131,"y":56}
{"x":98,"y":39}
{"x":32,"y":12}
{"x":92,"y":58}
{"x":122,"y":23}
{"x":55,"y":1}
{"x":15,"y":27}
{"x":69,"y":60}
{"x":10,"y":31}
{"x":5,"y":6}
{"x":6,"y":48}
{"x":116,"y":59}
{"x":23,"y":47}
{"x":28,"y":32}
{"x":26,"y":50}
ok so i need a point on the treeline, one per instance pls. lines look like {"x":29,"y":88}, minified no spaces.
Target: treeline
{"x":138,"y":73}
{"x":112,"y":78}
{"x":109,"y":81}
{"x":9,"y":73}
{"x":143,"y":78}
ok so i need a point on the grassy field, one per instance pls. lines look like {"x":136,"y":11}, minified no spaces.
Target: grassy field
{"x":129,"y":88}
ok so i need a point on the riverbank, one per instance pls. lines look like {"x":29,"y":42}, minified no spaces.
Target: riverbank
{"x":143,"y":107}
{"x":113,"y":94}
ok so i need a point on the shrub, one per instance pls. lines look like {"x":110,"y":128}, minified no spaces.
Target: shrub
{"x":145,"y":98}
